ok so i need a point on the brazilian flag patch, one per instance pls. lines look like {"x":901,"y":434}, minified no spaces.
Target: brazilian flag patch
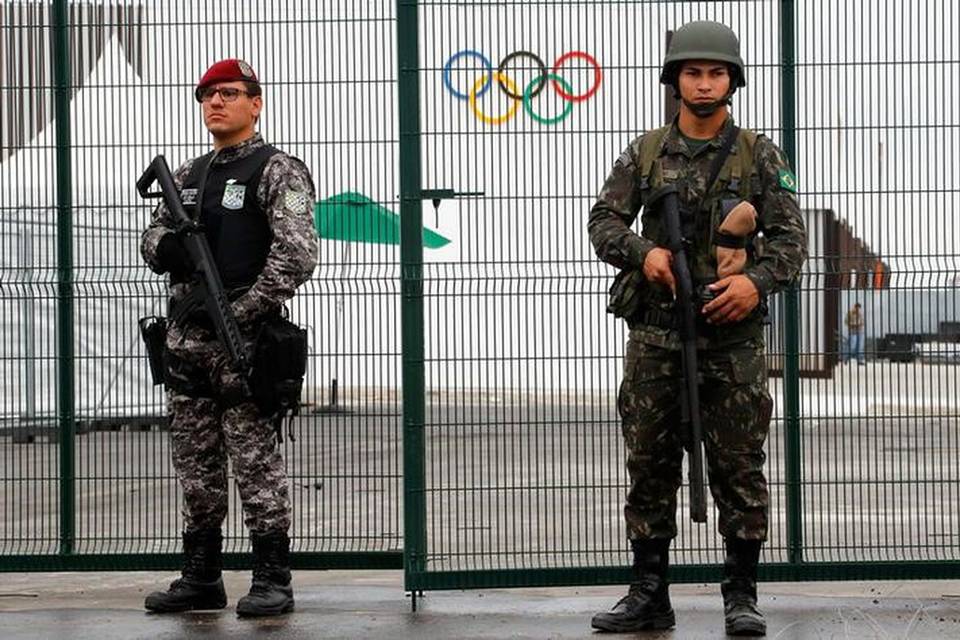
{"x":788,"y":181}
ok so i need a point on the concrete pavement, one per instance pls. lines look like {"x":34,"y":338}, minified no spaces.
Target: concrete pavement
{"x":365,"y":604}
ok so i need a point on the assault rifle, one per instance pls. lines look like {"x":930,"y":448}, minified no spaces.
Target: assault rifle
{"x":207,"y":285}
{"x":690,"y":392}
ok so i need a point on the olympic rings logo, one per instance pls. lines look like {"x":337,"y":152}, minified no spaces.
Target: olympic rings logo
{"x":530,"y":91}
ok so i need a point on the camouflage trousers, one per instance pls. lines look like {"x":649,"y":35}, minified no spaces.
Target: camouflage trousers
{"x":205,"y":431}
{"x":735,"y":409}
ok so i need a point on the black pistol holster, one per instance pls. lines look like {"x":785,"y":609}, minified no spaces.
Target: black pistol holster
{"x":153,"y":330}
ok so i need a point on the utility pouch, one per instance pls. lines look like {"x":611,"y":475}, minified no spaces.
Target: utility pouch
{"x":279,"y":365}
{"x":153,"y":330}
{"x":625,"y":298}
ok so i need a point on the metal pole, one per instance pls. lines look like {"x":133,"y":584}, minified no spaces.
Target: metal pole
{"x":791,"y":369}
{"x":411,"y":287}
{"x":28,"y":321}
{"x":65,"y":355}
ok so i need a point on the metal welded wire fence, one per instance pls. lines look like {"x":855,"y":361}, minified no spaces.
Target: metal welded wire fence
{"x":460,"y":405}
{"x":126,"y":74}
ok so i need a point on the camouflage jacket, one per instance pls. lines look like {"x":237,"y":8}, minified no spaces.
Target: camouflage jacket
{"x":770,"y":187}
{"x":286,"y":194}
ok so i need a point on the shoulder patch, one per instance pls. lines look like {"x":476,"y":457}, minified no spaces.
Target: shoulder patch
{"x":296,"y":201}
{"x":787,"y":180}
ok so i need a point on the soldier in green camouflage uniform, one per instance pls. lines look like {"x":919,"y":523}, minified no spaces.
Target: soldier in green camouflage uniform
{"x":704,"y":67}
{"x":255,"y":203}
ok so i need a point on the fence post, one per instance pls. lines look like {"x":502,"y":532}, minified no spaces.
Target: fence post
{"x":791,"y":368}
{"x":28,"y":320}
{"x":411,"y":287}
{"x":65,"y":356}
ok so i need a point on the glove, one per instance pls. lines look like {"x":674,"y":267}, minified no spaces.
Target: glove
{"x":172,"y":256}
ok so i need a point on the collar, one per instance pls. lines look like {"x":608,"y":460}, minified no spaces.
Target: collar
{"x":240,"y":150}
{"x":673,"y":142}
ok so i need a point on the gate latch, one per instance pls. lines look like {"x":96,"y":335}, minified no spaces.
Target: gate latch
{"x":436,"y":195}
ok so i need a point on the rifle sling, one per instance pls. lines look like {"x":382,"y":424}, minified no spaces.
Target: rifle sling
{"x":203,"y":183}
{"x":721,"y":157}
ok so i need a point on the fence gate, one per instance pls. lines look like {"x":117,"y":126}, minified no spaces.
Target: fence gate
{"x":92,"y":90}
{"x":511,"y":115}
{"x":476,"y":442}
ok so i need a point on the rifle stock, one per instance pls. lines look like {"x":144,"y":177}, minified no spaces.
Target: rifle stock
{"x":690,"y":394}
{"x":207,"y":281}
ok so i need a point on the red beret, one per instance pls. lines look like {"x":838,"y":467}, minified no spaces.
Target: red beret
{"x":228,"y":70}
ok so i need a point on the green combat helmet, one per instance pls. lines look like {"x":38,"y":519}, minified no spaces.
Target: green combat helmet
{"x":703,"y":40}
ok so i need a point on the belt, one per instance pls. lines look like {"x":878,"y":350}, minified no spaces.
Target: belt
{"x":671,"y":322}
{"x":192,"y":308}
{"x":659,"y":318}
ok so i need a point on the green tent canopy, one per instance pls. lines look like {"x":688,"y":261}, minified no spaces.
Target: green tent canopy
{"x":353,"y":217}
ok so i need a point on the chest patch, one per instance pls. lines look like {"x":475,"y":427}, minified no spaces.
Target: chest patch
{"x":233,"y":195}
{"x":188,"y":197}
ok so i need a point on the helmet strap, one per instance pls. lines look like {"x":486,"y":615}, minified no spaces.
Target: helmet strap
{"x":705,"y":110}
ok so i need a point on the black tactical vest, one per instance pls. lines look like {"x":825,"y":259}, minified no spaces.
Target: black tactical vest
{"x":233,"y":220}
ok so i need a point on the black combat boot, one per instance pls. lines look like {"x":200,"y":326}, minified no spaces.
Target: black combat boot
{"x":647,"y":603}
{"x":200,"y":585}
{"x":739,"y":589}
{"x":271,"y":592}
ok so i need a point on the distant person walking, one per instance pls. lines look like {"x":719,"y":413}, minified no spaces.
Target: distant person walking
{"x":854,"y":322}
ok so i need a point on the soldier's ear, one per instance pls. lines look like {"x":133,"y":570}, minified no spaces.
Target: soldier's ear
{"x":257,"y":104}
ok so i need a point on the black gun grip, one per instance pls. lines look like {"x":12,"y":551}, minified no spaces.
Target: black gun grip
{"x":147,"y":179}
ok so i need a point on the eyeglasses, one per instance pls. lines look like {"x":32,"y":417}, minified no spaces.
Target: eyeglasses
{"x":227,"y":94}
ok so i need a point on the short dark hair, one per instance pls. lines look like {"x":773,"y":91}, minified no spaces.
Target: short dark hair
{"x":253,"y":88}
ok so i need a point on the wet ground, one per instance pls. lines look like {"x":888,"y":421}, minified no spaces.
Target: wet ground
{"x":366,"y":604}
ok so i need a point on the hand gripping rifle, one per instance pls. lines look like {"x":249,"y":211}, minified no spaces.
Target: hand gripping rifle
{"x":690,"y":392}
{"x":207,"y":284}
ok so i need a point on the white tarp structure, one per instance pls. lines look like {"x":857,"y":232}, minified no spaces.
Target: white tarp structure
{"x":113,"y":288}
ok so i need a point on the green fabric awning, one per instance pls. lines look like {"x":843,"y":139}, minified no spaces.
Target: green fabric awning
{"x":353,"y":217}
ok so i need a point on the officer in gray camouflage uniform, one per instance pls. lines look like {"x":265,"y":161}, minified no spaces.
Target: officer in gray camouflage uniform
{"x":255,"y":203}
{"x":704,"y":67}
